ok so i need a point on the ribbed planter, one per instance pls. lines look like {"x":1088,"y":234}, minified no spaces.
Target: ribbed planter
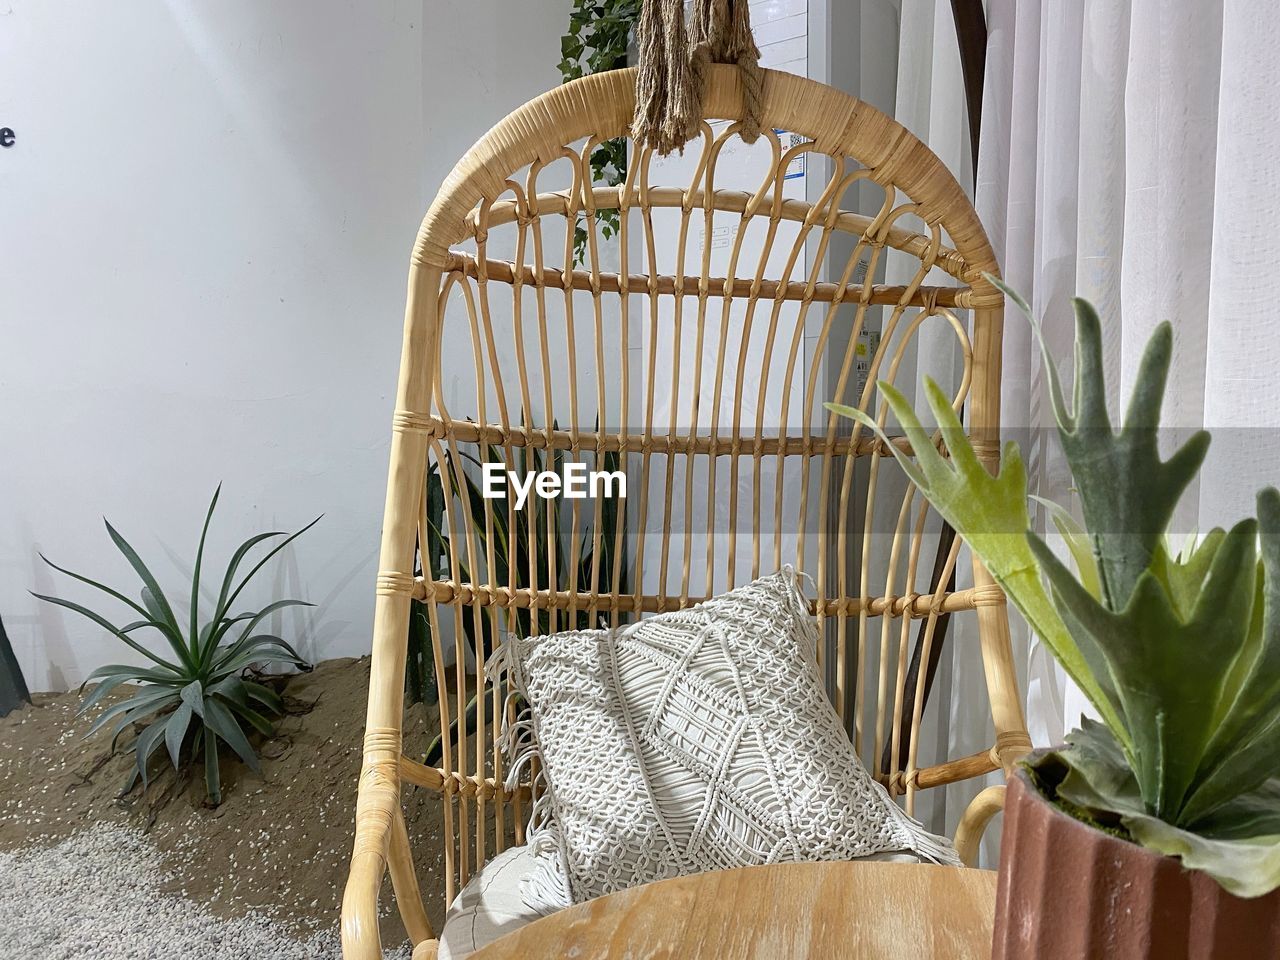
{"x":1070,"y":892}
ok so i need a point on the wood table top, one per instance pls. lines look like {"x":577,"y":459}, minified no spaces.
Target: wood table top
{"x":866,"y":910}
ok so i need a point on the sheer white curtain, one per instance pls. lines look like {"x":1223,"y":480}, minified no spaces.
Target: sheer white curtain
{"x":1130,"y":154}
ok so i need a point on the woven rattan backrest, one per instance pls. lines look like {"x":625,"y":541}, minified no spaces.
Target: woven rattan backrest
{"x":533,"y":340}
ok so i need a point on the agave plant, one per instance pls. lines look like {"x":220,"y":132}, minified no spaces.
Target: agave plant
{"x":196,"y":694}
{"x":1177,"y":650}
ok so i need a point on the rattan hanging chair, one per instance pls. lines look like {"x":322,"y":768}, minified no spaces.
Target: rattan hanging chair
{"x":705,"y":383}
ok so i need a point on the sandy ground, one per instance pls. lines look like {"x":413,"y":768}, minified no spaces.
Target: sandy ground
{"x":278,"y":845}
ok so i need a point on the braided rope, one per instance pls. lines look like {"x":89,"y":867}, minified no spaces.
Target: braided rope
{"x":672,"y":72}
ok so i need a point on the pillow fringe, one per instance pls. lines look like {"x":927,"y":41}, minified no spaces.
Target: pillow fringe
{"x":546,"y":888}
{"x":925,"y":845}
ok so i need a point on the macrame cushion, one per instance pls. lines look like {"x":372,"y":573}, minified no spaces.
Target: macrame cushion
{"x":695,"y":740}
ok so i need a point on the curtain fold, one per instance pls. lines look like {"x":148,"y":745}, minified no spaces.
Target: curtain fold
{"x":1130,"y":154}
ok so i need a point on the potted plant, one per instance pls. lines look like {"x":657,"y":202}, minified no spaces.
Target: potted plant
{"x":1155,"y":830}
{"x":199,"y":693}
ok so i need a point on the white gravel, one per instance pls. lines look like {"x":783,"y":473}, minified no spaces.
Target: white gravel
{"x":98,"y":894}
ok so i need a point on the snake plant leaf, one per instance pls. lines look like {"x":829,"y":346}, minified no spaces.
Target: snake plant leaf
{"x":1128,"y":493}
{"x":1172,"y":669}
{"x":990,"y":512}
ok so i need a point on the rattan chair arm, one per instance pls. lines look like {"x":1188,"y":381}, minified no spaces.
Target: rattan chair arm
{"x":377,"y":806}
{"x":973,"y":824}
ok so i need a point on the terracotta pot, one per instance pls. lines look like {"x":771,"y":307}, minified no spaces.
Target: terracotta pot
{"x":1070,"y":892}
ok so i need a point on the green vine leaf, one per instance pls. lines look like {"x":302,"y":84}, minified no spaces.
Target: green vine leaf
{"x":597,"y":39}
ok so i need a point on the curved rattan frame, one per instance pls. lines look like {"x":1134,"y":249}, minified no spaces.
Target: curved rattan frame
{"x":599,"y":107}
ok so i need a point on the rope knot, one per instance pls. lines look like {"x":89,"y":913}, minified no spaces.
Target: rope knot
{"x":673,"y":63}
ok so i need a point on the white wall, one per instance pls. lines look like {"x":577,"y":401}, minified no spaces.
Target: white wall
{"x":205,"y":226}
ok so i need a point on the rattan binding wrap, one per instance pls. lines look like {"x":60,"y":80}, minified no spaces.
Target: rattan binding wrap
{"x":538,"y":325}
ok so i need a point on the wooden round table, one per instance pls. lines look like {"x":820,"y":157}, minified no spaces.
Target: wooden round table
{"x":868,"y":910}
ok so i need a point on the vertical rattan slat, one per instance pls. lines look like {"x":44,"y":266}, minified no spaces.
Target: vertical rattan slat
{"x":687,"y":367}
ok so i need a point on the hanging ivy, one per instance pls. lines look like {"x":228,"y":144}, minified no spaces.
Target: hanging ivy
{"x":598,"y":37}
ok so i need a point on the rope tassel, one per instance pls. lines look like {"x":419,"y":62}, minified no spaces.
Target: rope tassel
{"x":672,"y":62}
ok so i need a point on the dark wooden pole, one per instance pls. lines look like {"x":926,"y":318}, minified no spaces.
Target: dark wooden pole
{"x":971,"y":33}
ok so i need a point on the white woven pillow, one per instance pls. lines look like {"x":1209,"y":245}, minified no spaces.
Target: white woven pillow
{"x":695,"y":740}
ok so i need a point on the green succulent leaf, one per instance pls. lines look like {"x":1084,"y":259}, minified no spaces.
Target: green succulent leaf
{"x":153,"y":598}
{"x":1127,"y":491}
{"x":231,"y":688}
{"x":212,"y":774}
{"x":235,"y":592}
{"x":115,"y":594}
{"x":103,"y":688}
{"x":260,"y":693}
{"x":148,"y":741}
{"x":247,"y":636}
{"x":195,"y":575}
{"x":108,"y":626}
{"x":221,"y":721}
{"x":228,"y":579}
{"x":1173,"y":670}
{"x":175,"y":731}
{"x":136,"y":707}
{"x":1091,"y":779}
{"x":1245,"y":747}
{"x":1247,"y":868}
{"x":990,"y":512}
{"x":260,"y":648}
{"x":254,"y":719}
{"x":193,"y":696}
{"x":1078,"y":544}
